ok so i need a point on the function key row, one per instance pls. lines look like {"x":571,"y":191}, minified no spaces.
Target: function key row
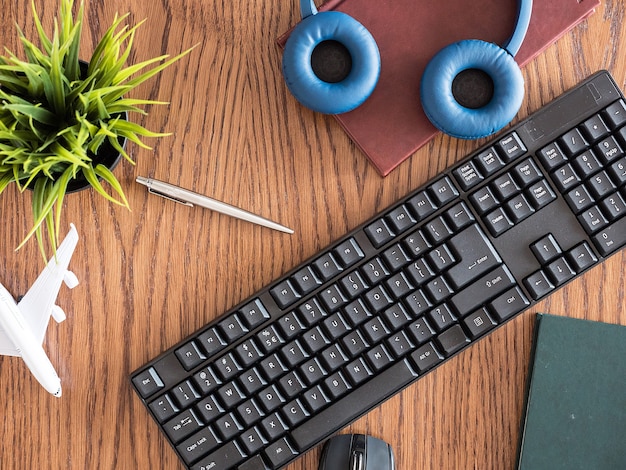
{"x":415,"y":210}
{"x":310,"y":277}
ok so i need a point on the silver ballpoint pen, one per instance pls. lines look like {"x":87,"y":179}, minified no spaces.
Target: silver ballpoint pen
{"x":189,"y":198}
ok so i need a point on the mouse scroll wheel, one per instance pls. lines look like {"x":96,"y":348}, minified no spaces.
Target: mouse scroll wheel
{"x":357,"y":462}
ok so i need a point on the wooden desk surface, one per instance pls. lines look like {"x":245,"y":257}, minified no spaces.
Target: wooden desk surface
{"x":151,"y":276}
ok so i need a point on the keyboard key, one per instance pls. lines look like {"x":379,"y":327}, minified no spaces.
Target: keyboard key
{"x":498,"y":222}
{"x":484,"y":200}
{"x":211,"y":342}
{"x":511,"y":147}
{"x":508,"y":304}
{"x":560,"y":271}
{"x":443,"y":191}
{"x":611,"y":238}
{"x":586,"y":164}
{"x":182,"y":426}
{"x":468,"y":176}
{"x":252,"y":442}
{"x":504,"y":187}
{"x":231,"y":328}
{"x":615,"y":114}
{"x":546,"y":249}
{"x":199,"y":445}
{"x":420,"y":331}
{"x":618,"y":172}
{"x":379,"y":233}
{"x":540,"y":194}
{"x":358,"y":371}
{"x":327,"y":266}
{"x":440,"y":258}
{"x":336,"y":385}
{"x":552,"y":156}
{"x":459,"y":216}
{"x":538,"y":284}
{"x":595,"y":128}
{"x":453,"y":339}
{"x":148,"y":382}
{"x":223,"y":457}
{"x":184,"y":394}
{"x":421,"y":205}
{"x":163,"y":408}
{"x":477,"y":256}
{"x":592,"y":220}
{"x":379,"y":357}
{"x":399,"y":344}
{"x":279,"y":453}
{"x":441,"y":317}
{"x":613,"y":206}
{"x":315,"y":399}
{"x":253,"y":313}
{"x":400,"y":219}
{"x":489,"y":161}
{"x":437,"y":230}
{"x":348,"y":252}
{"x":565,"y":178}
{"x":426,"y":357}
{"x":608,"y":149}
{"x":601,"y":185}
{"x":285,"y":294}
{"x":291,"y":385}
{"x":294,"y":413}
{"x":573,"y":142}
{"x":306,"y":280}
{"x":579,"y":199}
{"x":478,"y":323}
{"x":581,"y":257}
{"x":518,"y":208}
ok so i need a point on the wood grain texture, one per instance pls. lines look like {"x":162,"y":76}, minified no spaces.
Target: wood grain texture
{"x":153,"y":275}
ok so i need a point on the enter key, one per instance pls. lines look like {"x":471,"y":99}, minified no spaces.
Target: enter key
{"x":477,"y":256}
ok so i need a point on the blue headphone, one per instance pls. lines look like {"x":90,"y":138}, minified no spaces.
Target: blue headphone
{"x":470,"y":89}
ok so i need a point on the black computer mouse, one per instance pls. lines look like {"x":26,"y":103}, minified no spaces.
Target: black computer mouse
{"x":356,"y":452}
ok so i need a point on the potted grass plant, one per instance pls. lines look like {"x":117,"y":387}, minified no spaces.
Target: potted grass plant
{"x":61,"y":118}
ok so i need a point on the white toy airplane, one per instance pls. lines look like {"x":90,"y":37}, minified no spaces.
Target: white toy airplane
{"x":23,"y":325}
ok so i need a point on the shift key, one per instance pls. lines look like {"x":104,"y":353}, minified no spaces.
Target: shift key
{"x":482,"y":290}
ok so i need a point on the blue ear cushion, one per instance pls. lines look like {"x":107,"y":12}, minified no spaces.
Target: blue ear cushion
{"x":447,"y":114}
{"x":321,"y":96}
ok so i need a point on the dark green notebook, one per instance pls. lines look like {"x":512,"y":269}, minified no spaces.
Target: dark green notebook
{"x":576,"y":403}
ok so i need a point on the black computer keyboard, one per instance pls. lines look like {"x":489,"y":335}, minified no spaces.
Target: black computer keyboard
{"x":399,"y":295}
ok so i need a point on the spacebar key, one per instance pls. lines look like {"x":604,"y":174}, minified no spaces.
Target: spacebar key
{"x":347,"y":409}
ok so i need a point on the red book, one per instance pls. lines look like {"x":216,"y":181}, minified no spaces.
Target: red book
{"x":390,"y":125}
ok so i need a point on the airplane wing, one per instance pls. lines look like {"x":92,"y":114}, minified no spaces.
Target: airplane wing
{"x":39,"y":302}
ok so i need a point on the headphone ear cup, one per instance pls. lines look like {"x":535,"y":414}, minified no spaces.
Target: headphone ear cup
{"x":443,"y":109}
{"x":302,"y":81}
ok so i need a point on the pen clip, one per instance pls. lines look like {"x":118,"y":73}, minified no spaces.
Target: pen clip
{"x":165,"y":196}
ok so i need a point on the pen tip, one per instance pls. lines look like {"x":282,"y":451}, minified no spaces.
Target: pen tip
{"x":141,"y":180}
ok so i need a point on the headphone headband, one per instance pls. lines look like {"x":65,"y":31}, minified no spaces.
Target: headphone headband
{"x":524,"y":10}
{"x":307,"y":8}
